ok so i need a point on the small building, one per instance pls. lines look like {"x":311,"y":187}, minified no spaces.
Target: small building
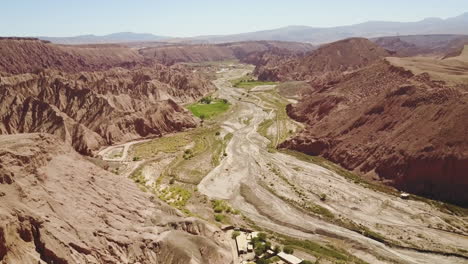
{"x":252,"y":235}
{"x":288,"y":258}
{"x":242,"y":244}
{"x":404,"y":196}
{"x":250,"y":247}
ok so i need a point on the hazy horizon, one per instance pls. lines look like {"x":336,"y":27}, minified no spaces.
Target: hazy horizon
{"x":54,"y":18}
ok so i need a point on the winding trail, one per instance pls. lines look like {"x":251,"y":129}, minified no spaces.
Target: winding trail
{"x":126,"y":146}
{"x":242,"y":176}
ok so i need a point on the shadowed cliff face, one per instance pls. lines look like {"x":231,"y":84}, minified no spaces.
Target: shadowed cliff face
{"x":56,"y":207}
{"x":383,"y":120}
{"x":92,"y":109}
{"x":379,"y":119}
{"x":322,"y":65}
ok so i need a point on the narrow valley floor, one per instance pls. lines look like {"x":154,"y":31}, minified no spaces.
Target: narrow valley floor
{"x":286,"y":194}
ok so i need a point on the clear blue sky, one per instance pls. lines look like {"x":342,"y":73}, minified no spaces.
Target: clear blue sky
{"x":204,"y":17}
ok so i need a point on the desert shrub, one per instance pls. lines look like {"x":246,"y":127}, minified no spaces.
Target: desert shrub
{"x":323,"y":197}
{"x":219,"y":217}
{"x":188,"y":154}
{"x":206,"y":100}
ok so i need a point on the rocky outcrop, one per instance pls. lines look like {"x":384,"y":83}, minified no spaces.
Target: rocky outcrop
{"x":56,"y":207}
{"x":25,"y":55}
{"x":415,"y":45}
{"x":173,"y":54}
{"x":322,"y":65}
{"x":92,"y":109}
{"x":384,"y":121}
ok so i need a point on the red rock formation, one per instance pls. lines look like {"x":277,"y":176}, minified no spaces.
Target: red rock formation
{"x":89,"y":110}
{"x":324,"y":64}
{"x":92,"y":108}
{"x":29,"y":55}
{"x":382,"y":120}
{"x":169,"y":55}
{"x":56,"y":207}
{"x":415,"y":45}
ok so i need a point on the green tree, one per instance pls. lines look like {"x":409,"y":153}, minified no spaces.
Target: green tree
{"x":206,"y":100}
{"x":288,"y":250}
{"x":235,"y":234}
{"x":262,"y":261}
{"x":262,"y":237}
{"x":277,"y":249}
{"x":260,"y":249}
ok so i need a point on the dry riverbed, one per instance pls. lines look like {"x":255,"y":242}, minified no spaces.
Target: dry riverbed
{"x":233,"y":158}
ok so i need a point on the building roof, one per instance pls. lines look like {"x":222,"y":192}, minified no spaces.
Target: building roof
{"x":241,"y":241}
{"x":291,"y":259}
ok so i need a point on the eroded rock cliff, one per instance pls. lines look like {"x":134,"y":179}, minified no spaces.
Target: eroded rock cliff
{"x":407,"y":129}
{"x":91,"y":109}
{"x":56,"y":207}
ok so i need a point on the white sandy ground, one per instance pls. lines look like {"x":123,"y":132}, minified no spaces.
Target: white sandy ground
{"x":247,"y":163}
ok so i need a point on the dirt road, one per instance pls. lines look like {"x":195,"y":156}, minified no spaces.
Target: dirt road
{"x":265,"y":186}
{"x":121,"y":151}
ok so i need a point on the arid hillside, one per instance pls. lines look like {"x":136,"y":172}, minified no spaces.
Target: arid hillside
{"x":57,"y":207}
{"x":172,"y":54}
{"x":415,"y":45}
{"x":92,"y":109}
{"x":20,"y":55}
{"x":59,"y":91}
{"x":322,"y":65}
{"x":394,"y":121}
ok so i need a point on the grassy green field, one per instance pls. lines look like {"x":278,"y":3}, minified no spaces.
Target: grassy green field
{"x":247,"y":82}
{"x":207,"y":111}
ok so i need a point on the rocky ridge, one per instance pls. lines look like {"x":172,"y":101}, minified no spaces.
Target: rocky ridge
{"x":92,"y":109}
{"x":172,"y":54}
{"x":45,"y":218}
{"x":385,"y":122}
{"x":79,"y":94}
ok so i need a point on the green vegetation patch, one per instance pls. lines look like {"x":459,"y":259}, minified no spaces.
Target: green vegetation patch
{"x":318,"y":250}
{"x":220,"y":206}
{"x":167,"y":144}
{"x":249,"y":82}
{"x":208,"y":108}
{"x":175,"y":196}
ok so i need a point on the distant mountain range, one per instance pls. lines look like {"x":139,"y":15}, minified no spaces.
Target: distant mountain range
{"x":371,"y":29}
{"x":314,"y":35}
{"x":121,"y":37}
